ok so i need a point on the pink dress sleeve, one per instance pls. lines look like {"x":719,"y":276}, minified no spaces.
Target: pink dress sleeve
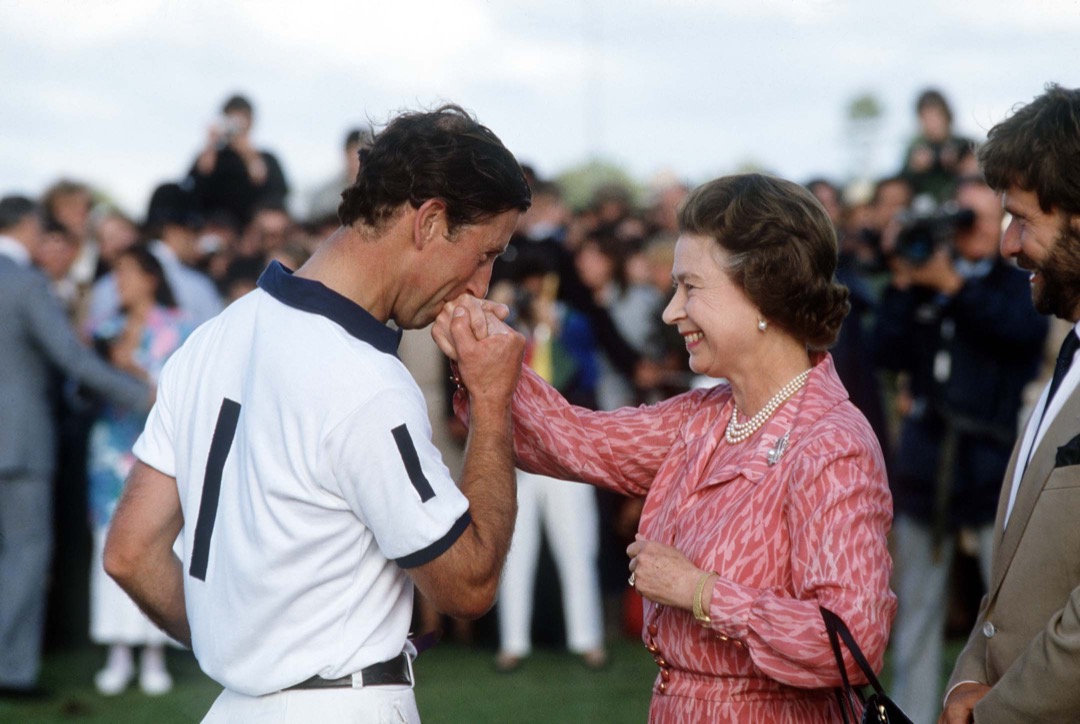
{"x":620,"y":450}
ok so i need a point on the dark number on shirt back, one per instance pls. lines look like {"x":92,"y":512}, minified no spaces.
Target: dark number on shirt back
{"x":224,"y":432}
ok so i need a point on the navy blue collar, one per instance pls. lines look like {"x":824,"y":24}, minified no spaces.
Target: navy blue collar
{"x":309,"y":295}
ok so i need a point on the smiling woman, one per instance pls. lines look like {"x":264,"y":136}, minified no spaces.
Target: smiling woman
{"x":749,"y":524}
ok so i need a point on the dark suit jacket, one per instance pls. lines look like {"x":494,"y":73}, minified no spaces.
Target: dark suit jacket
{"x":36,"y":338}
{"x":992,"y":336}
{"x":1026,"y":642}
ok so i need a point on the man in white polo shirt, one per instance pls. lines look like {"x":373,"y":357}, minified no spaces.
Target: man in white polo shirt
{"x":291,"y":449}
{"x":1022,"y":660}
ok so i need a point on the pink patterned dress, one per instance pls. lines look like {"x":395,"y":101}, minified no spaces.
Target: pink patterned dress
{"x":807,"y":531}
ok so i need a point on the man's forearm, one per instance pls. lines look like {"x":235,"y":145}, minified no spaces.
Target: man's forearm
{"x":156,"y":585}
{"x":489,"y":483}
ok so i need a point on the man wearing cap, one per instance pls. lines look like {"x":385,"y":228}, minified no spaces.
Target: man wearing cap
{"x":293,"y":450}
{"x":35,"y":340}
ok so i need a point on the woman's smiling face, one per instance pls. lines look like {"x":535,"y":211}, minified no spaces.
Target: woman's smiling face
{"x":714,"y":316}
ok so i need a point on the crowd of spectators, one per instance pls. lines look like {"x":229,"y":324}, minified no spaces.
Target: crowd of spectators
{"x":937,"y":352}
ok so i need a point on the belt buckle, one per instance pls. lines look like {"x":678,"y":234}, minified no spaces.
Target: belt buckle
{"x":358,"y":677}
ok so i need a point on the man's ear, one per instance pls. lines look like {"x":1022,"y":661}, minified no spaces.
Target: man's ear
{"x":430,"y":223}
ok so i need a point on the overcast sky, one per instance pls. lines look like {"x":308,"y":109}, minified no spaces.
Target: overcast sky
{"x":120,"y":93}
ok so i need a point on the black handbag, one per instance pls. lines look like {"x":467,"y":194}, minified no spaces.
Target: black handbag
{"x":876,"y":708}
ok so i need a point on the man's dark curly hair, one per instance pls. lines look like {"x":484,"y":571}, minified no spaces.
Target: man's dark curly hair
{"x":1038,"y":149}
{"x":442,"y":154}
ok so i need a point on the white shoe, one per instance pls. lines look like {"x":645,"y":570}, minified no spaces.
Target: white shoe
{"x":113,"y":681}
{"x":155,"y":682}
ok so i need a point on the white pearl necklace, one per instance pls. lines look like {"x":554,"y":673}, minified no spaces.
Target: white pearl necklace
{"x":737,"y":432}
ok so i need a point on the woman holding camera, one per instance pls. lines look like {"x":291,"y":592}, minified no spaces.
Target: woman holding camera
{"x":765,"y":496}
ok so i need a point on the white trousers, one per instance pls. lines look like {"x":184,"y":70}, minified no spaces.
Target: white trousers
{"x":922,"y":587}
{"x":372,"y":705}
{"x":569,"y":516}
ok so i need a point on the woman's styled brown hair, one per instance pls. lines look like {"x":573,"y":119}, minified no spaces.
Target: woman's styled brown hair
{"x":782,"y":250}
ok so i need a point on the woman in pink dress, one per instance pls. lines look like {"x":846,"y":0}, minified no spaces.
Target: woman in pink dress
{"x":765,"y":496}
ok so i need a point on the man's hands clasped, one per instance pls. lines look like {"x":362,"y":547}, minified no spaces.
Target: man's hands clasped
{"x":473,"y":333}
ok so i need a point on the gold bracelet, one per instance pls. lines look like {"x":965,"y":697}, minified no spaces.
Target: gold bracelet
{"x":699,"y":612}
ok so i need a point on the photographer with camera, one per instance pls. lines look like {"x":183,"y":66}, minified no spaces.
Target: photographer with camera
{"x":957,"y":322}
{"x":231,"y":174}
{"x":937,"y":157}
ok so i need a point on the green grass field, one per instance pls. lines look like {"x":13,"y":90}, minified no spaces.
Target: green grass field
{"x":456,"y":685}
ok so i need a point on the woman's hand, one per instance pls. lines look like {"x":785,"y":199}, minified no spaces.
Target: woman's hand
{"x":485,"y":317}
{"x":663,"y":574}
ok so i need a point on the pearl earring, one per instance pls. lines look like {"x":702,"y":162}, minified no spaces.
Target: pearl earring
{"x":762,"y":325}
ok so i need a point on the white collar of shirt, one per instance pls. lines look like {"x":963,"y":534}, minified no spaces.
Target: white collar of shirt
{"x":1034,"y":430}
{"x":14,"y":250}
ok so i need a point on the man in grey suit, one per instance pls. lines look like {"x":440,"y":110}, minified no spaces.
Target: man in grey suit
{"x":35,"y":339}
{"x":1022,"y":661}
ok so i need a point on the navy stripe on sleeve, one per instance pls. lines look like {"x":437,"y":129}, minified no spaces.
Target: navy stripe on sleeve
{"x":412,"y":463}
{"x":439,"y":547}
{"x":222,"y":440}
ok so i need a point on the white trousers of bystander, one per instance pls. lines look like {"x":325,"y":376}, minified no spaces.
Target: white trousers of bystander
{"x":568,"y":513}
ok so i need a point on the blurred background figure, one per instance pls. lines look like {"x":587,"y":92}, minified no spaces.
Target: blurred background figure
{"x":55,"y":256}
{"x":958,"y":321}
{"x":322,"y":210}
{"x":36,"y":339}
{"x":853,"y":352}
{"x":937,"y":157}
{"x":230,"y":173}
{"x":172,"y":223}
{"x":561,"y":349}
{"x":602,"y":263}
{"x":67,"y":206}
{"x":873,"y":241}
{"x":114,"y":233}
{"x":269,"y":230}
{"x":148,"y":328}
{"x":666,"y":192}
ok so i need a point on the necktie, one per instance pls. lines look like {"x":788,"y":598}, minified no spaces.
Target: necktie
{"x":1064,"y":360}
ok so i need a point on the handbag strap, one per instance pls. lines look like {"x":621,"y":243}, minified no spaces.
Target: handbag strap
{"x":843,"y":694}
{"x":835,"y":625}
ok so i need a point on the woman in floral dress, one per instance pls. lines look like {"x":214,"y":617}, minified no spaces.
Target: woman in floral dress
{"x":138,"y":340}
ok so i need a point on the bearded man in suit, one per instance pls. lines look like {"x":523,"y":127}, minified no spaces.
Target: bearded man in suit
{"x":1022,"y":660}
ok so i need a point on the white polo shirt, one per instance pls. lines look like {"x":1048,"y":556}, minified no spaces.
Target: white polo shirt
{"x":302,"y":453}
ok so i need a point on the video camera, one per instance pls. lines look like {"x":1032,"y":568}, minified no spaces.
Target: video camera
{"x":926,"y":228}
